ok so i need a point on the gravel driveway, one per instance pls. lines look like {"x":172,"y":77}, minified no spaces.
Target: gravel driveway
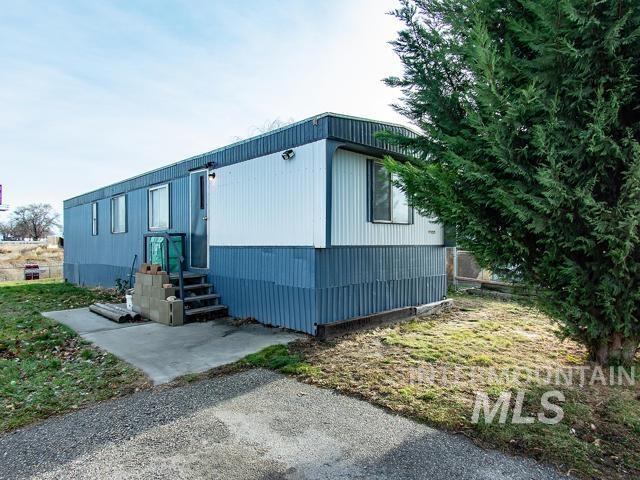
{"x":251,"y":425}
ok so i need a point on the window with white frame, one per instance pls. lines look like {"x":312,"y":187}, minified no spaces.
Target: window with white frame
{"x":159,"y":207}
{"x":119,"y":214}
{"x":94,"y":218}
{"x":388,"y":202}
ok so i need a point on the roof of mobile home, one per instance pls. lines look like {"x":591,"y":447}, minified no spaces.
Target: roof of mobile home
{"x":330,"y":126}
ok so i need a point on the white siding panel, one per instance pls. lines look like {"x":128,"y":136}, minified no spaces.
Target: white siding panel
{"x":349,"y":211}
{"x":269,"y":201}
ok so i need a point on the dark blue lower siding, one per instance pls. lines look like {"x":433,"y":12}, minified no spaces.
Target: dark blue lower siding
{"x":300,"y":287}
{"x":95,"y":275}
{"x":274,"y":285}
{"x":356,"y":281}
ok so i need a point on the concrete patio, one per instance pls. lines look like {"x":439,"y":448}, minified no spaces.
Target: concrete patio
{"x":165,"y":353}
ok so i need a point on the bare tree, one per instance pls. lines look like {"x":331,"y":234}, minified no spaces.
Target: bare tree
{"x":266,"y":127}
{"x":31,"y":221}
{"x":8,"y":231}
{"x":270,"y":125}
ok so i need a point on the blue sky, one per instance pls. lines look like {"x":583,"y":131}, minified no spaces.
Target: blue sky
{"x":92,"y":92}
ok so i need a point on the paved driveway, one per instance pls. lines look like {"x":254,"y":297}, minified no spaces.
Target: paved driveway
{"x":164,"y":352}
{"x":252,"y":425}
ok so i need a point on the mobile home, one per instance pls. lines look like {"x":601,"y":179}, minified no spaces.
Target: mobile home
{"x":298,"y":227}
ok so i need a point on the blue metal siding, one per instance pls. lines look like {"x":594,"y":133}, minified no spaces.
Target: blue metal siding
{"x":100,"y":259}
{"x":337,"y":127}
{"x":356,"y":281}
{"x":293,"y":287}
{"x":339,"y":266}
{"x":299,"y":287}
{"x":362,"y":132}
{"x":274,"y":285}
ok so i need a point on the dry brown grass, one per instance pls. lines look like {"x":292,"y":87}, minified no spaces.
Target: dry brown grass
{"x":14,"y":257}
{"x":402,"y":368}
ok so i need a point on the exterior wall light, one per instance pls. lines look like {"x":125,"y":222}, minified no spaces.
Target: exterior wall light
{"x":212,"y":174}
{"x":288,"y":154}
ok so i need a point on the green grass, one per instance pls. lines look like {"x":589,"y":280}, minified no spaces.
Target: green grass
{"x":624,"y":409}
{"x":277,"y":357}
{"x":45,"y":368}
{"x":599,"y":436}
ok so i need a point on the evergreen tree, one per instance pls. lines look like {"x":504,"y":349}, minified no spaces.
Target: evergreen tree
{"x":530,"y":147}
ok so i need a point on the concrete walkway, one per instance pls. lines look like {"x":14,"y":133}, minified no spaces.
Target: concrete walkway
{"x":164,"y":352}
{"x":252,"y":425}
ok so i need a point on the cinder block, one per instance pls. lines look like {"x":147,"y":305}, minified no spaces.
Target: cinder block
{"x":177,"y":312}
{"x":140,"y":303}
{"x":158,"y":311}
{"x":144,"y":268}
{"x":144,"y":279}
{"x":162,"y":292}
{"x":142,"y":290}
{"x":159,"y":279}
{"x":167,"y":313}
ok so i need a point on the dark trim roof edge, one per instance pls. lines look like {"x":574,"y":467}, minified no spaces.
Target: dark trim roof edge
{"x":327,"y":125}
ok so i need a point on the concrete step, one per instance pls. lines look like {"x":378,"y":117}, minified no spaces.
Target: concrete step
{"x":213,"y":310}
{"x":198,"y":298}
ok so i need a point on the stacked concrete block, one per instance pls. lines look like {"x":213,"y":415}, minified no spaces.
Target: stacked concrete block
{"x":151,"y":291}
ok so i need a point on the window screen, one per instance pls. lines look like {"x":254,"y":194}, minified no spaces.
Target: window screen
{"x":94,"y":219}
{"x":119,"y":214}
{"x":159,"y":208}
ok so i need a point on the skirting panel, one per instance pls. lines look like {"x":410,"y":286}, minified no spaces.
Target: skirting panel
{"x":301,"y":287}
{"x":95,"y":275}
{"x":356,"y":281}
{"x":349,"y":301}
{"x":274,"y":285}
{"x":268,"y":302}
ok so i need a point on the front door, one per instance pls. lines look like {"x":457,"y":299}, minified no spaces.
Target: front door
{"x":198,"y":188}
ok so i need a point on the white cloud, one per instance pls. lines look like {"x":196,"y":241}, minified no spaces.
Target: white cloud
{"x":93,"y":94}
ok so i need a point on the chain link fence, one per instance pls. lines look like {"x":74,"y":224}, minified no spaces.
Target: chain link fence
{"x":464,"y":273}
{"x":462,"y":267}
{"x":10,"y":274}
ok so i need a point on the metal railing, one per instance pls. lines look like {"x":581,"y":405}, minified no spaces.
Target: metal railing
{"x":179,"y":255}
